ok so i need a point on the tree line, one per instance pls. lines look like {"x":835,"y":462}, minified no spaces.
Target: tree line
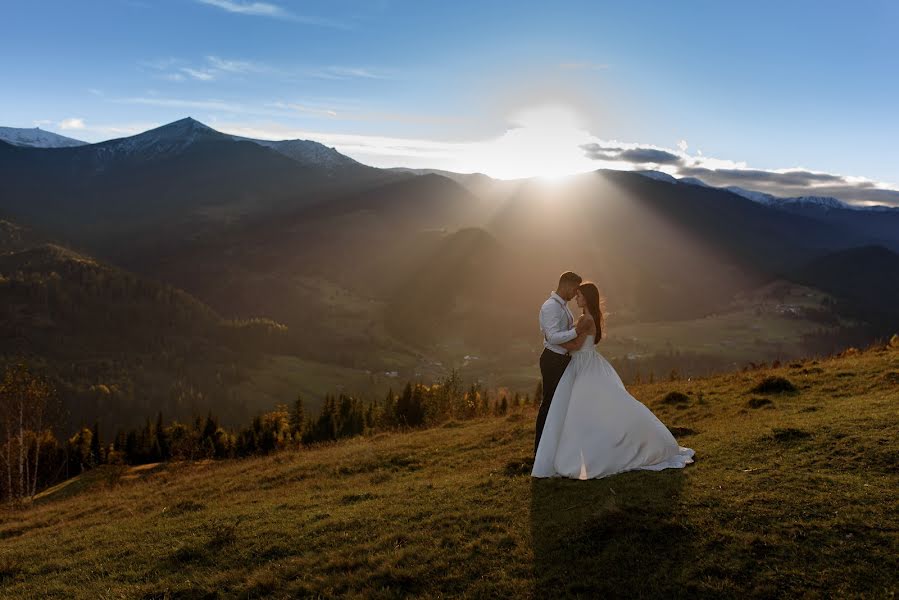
{"x":33,"y":456}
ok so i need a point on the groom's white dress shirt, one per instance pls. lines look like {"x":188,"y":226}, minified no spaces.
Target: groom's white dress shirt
{"x":556,"y":323}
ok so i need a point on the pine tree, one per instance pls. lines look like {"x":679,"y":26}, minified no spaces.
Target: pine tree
{"x":210,"y":427}
{"x":131,"y":448}
{"x":370,"y":415}
{"x":297,"y":417}
{"x":96,"y":456}
{"x":485,"y":405}
{"x":161,"y":446}
{"x":404,"y":405}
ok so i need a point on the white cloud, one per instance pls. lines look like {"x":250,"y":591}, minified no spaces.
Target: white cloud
{"x":182,"y":103}
{"x":266,"y":9}
{"x":120,"y":130}
{"x":97,"y":133}
{"x":350,"y":72}
{"x":215,"y":67}
{"x":202,"y":75}
{"x":236,"y":66}
{"x":323,"y":112}
{"x":544,"y":141}
{"x":71,"y":123}
{"x":263,"y":9}
{"x":785,"y":182}
{"x":339,"y":72}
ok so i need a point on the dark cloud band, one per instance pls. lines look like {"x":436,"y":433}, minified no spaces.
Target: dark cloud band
{"x":643,"y":156}
{"x":795,"y":182}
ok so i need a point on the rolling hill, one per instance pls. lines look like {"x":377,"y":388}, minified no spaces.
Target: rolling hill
{"x":865,"y":281}
{"x":792,"y":494}
{"x":119,"y":348}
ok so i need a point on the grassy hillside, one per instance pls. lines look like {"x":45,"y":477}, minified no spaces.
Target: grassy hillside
{"x":793,"y":494}
{"x":88,"y":324}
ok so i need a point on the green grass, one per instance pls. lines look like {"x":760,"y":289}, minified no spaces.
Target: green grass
{"x":796,"y":497}
{"x":754,"y":326}
{"x":278,"y":379}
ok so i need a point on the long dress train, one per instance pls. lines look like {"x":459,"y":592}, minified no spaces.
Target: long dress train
{"x":595,"y":428}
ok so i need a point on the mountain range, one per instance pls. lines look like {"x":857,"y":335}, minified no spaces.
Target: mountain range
{"x":384,"y":270}
{"x":36,"y":137}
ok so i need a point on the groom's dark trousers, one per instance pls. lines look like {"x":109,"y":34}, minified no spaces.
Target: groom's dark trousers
{"x":552,"y":366}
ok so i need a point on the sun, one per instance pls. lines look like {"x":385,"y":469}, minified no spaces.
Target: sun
{"x":544,"y":141}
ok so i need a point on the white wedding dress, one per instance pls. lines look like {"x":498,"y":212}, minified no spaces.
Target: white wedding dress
{"x":595,"y":428}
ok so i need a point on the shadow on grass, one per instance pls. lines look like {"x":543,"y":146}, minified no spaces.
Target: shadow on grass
{"x":620,"y":536}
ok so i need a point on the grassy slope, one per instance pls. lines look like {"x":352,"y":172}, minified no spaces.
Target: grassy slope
{"x":799,"y":497}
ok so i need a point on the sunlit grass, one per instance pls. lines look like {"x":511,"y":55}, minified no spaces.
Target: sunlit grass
{"x":793,"y":494}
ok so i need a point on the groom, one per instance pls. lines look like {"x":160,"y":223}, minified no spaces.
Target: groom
{"x":557,"y":325}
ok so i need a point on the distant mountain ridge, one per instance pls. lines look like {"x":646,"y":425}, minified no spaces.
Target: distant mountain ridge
{"x":175,"y":137}
{"x":306,"y":152}
{"x":36,"y":137}
{"x":181,"y":176}
{"x":823,"y":202}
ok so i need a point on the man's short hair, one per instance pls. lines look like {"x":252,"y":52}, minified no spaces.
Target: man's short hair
{"x":570,"y":278}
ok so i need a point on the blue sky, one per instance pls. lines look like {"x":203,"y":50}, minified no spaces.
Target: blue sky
{"x":763,"y":86}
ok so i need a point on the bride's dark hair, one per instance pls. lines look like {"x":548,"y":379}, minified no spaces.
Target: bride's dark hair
{"x":594,"y":306}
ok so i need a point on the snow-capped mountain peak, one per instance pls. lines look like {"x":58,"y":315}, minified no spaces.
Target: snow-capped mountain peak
{"x":169,"y":139}
{"x":822,"y":202}
{"x":760,"y":197}
{"x":174,"y":139}
{"x":658,"y":176}
{"x":694,"y":181}
{"x":305,"y":152}
{"x":36,"y":137}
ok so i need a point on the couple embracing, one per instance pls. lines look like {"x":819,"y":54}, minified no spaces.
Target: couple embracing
{"x":588,"y":425}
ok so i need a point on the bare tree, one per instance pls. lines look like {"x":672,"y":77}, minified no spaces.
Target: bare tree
{"x":7,"y":413}
{"x":24,"y":399}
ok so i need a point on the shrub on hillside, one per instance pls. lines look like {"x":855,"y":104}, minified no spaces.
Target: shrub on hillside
{"x":790,"y":434}
{"x":774,"y":385}
{"x":759,"y":403}
{"x":675,"y":398}
{"x":680,"y":432}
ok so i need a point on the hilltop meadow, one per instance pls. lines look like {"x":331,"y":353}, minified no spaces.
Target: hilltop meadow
{"x":795,"y":492}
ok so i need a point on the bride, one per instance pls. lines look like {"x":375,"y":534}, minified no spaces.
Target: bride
{"x":595,"y":428}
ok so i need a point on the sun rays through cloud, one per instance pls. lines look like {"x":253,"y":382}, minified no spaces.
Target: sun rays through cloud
{"x":550,"y":142}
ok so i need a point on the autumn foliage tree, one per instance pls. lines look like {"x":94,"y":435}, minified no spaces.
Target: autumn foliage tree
{"x":24,"y":403}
